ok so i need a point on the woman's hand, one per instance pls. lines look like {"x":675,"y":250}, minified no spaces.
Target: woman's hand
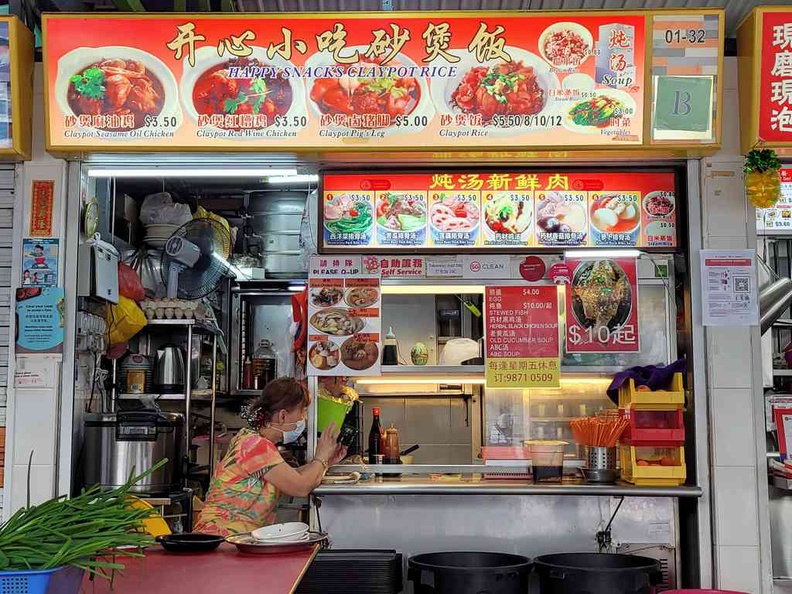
{"x":339,"y":454}
{"x":328,"y":443}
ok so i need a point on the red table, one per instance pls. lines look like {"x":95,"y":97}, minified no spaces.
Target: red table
{"x":224,"y":570}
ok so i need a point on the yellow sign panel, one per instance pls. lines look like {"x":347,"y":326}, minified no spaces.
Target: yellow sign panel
{"x":524,"y":373}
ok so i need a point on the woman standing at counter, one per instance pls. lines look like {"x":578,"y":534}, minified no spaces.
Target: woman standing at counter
{"x":248,"y":482}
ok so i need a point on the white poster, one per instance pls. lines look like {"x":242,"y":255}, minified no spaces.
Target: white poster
{"x":729,"y":288}
{"x":344,"y":316}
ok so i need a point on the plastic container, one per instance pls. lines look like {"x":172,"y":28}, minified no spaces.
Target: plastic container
{"x":329,"y":411}
{"x":547,"y":459}
{"x":597,"y":573}
{"x":653,"y":465}
{"x":63,"y":580}
{"x":671,"y":399}
{"x":457,"y":572}
{"x":655,"y":427}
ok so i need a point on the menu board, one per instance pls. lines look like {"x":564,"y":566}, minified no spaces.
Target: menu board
{"x":778,"y":219}
{"x":344,"y":316}
{"x":523,"y":346}
{"x":341,"y":81}
{"x":602,"y":307}
{"x":498,"y":210}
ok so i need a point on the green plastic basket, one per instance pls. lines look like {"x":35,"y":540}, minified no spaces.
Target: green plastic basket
{"x":330,"y":411}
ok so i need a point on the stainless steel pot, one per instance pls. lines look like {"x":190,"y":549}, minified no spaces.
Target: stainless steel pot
{"x":118,"y":444}
{"x":169,"y":370}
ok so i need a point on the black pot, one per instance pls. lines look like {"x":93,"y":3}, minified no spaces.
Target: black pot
{"x":596,"y":573}
{"x":190,"y":543}
{"x":469,"y":573}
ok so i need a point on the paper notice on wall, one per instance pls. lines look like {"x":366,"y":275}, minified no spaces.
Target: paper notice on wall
{"x":729,"y":288}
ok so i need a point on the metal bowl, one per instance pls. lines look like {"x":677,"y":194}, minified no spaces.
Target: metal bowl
{"x":601,"y":476}
{"x":245,"y":543}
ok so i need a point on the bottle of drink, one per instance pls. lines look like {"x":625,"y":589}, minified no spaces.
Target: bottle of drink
{"x":390,"y":351}
{"x":376,"y":441}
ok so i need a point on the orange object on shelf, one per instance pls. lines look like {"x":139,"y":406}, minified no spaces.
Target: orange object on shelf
{"x":632,"y":397}
{"x":655,"y":466}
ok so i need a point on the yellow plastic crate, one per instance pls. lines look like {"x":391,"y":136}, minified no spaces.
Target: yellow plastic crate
{"x":649,"y":473}
{"x":630,"y":397}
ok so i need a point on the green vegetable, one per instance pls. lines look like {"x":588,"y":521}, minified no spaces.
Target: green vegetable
{"x":386,"y":85}
{"x":256,"y":96}
{"x":411,"y":222}
{"x":359,"y":224}
{"x":90,"y":83}
{"x":83,"y":531}
{"x":596,"y":112}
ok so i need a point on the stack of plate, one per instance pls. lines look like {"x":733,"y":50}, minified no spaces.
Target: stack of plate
{"x":158,"y":235}
{"x":289,"y":532}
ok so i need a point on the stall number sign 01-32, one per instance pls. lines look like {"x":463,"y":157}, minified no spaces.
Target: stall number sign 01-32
{"x":523,"y":346}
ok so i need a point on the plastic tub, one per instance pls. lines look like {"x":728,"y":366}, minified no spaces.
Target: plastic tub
{"x":330,"y":411}
{"x":597,"y":573}
{"x":469,"y":573}
{"x":547,"y":459}
{"x":63,"y":580}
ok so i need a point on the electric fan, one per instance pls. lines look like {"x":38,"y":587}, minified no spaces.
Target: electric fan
{"x":195,"y":258}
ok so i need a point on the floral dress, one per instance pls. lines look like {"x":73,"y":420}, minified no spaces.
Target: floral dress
{"x":240,"y":499}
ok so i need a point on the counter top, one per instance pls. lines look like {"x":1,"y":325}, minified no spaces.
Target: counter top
{"x":476,"y":485}
{"x":225,"y":570}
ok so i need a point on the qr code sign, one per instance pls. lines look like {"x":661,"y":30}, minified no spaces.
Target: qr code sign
{"x":742,"y":284}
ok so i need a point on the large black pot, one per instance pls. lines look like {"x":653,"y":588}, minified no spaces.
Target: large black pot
{"x":469,"y":573}
{"x":596,"y":573}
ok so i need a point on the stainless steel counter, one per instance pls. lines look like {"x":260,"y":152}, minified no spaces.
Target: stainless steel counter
{"x":476,"y":485}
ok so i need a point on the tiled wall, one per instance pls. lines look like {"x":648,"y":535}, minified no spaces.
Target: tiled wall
{"x":438,"y":424}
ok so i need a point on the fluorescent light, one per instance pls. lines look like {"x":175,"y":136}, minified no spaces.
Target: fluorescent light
{"x":440,"y":379}
{"x":296,"y":288}
{"x":158,"y":172}
{"x":432,"y":289}
{"x":602,"y":254}
{"x":291,"y":178}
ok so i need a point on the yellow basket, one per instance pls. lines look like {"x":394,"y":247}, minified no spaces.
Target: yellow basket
{"x":673,"y":399}
{"x":651,"y":475}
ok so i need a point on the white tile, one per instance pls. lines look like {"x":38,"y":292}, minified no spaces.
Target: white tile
{"x":733,"y":425}
{"x":724,"y":207}
{"x":41,"y":485}
{"x":739,"y":569}
{"x":730,"y":357}
{"x":730,"y":135}
{"x":34,"y":426}
{"x":726,"y":243}
{"x":735,"y":499}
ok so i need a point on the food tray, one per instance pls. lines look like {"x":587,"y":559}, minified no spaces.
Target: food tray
{"x":245,"y":543}
{"x":652,"y":476}
{"x":654,"y":427}
{"x":630,"y":397}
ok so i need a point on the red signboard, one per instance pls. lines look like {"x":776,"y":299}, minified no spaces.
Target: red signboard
{"x":602,"y":307}
{"x":504,"y":210}
{"x":775,"y":90}
{"x":522,"y":322}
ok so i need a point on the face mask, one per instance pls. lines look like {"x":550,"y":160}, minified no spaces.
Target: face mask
{"x":294,"y":434}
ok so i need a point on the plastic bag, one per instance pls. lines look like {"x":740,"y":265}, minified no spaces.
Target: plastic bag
{"x":124,"y":320}
{"x":228,"y":242}
{"x":160,"y":209}
{"x":129,"y":284}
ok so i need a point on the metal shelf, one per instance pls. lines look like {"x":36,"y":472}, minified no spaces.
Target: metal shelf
{"x":198,"y":325}
{"x":782,"y":372}
{"x":164,"y":397}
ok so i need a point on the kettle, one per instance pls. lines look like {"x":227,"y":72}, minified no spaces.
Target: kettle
{"x":169,"y":370}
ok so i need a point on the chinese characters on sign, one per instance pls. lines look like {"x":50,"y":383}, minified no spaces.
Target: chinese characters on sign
{"x":778,"y":219}
{"x":41,"y":208}
{"x":523,"y":347}
{"x":775,"y":108}
{"x":729,"y":290}
{"x":602,"y":307}
{"x":344,"y":305}
{"x":40,"y":320}
{"x":498,"y":210}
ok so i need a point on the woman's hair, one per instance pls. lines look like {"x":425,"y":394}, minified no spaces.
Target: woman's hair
{"x":284,"y":393}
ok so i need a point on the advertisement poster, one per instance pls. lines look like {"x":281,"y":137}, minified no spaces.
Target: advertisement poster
{"x":729,"y":288}
{"x":334,"y":81}
{"x":602,"y":307}
{"x":40,"y":262}
{"x":39,"y":320}
{"x":41,"y":207}
{"x":778,"y":219}
{"x":344,"y":316}
{"x":523,"y":346}
{"x":775,"y":89}
{"x":503,"y":210}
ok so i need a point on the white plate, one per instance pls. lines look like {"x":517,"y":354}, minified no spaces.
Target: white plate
{"x":303,"y":537}
{"x":280,"y":530}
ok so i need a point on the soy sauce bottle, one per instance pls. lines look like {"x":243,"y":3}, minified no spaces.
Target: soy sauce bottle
{"x":376,"y":443}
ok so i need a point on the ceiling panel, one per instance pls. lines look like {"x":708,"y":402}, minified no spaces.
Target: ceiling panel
{"x":735,"y":9}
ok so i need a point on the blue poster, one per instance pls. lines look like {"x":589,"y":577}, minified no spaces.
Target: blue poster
{"x":39,"y":320}
{"x":39,"y":262}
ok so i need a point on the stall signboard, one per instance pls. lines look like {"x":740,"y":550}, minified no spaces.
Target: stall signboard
{"x":344,"y":316}
{"x":16,"y":89}
{"x":349,"y":81}
{"x":472,"y":211}
{"x":523,"y":345}
{"x":778,"y":219}
{"x":764,"y":47}
{"x":602,"y":306}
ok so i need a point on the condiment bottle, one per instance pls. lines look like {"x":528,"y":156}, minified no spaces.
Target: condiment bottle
{"x":390,"y":351}
{"x":247,"y":375}
{"x":392,"y":449}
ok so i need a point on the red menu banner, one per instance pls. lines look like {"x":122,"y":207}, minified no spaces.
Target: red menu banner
{"x":498,"y":210}
{"x":345,"y":81}
{"x":775,"y":91}
{"x":523,"y":346}
{"x":602,"y":307}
